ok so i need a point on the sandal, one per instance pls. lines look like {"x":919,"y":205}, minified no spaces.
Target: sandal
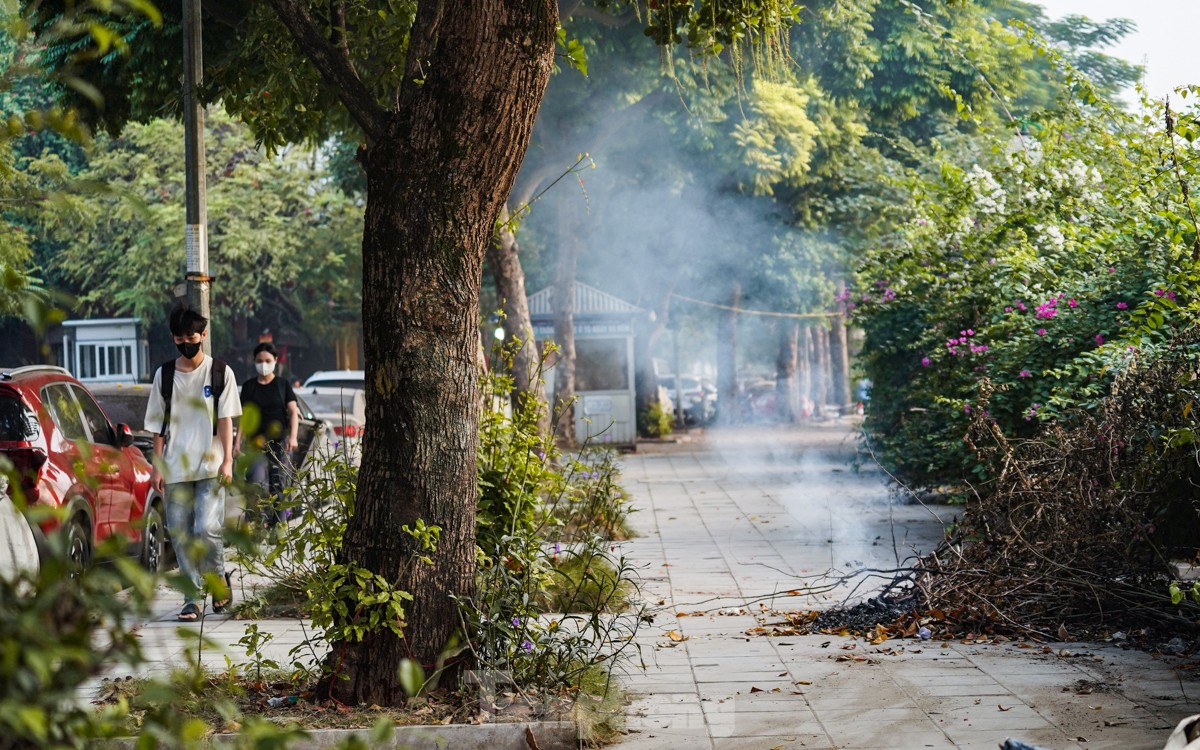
{"x":220,"y":605}
{"x":189,"y":613}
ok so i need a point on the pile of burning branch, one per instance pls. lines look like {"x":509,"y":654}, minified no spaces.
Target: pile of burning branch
{"x":1077,"y":531}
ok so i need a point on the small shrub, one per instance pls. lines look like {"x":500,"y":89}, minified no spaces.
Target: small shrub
{"x":654,"y":422}
{"x":588,"y":501}
{"x":585,"y":581}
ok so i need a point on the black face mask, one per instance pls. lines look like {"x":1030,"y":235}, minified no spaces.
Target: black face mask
{"x":188,"y":349}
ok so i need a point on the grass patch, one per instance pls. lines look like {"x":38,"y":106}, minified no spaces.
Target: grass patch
{"x":586,"y":583}
{"x":599,"y":711}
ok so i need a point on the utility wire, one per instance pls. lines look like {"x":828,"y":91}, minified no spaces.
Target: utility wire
{"x":767,"y":313}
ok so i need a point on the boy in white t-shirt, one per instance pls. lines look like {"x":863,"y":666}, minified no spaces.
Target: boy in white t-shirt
{"x":193,"y":449}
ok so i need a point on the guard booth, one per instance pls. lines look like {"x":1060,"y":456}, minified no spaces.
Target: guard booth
{"x":606,"y":405}
{"x":106,"y":350}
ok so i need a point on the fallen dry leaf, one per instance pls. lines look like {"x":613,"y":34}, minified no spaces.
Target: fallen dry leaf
{"x":1002,"y":708}
{"x":676,"y":636}
{"x":757,"y":690}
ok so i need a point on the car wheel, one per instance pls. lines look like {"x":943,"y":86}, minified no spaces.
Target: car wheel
{"x":154,"y":540}
{"x":79,"y":544}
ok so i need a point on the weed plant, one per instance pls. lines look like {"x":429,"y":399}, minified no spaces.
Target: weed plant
{"x":549,"y":614}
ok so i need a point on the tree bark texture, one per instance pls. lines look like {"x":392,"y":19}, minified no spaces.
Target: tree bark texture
{"x":786,"y":393}
{"x":504,"y":259}
{"x":439,"y":169}
{"x":564,"y":321}
{"x":727,"y":386}
{"x":804,"y":365}
{"x":820,"y":369}
{"x":839,"y":360}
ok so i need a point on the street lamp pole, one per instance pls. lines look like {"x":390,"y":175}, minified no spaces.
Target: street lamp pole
{"x":196,"y":229}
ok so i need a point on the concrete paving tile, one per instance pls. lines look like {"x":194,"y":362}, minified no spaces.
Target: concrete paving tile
{"x":773,"y":742}
{"x":884,"y":737}
{"x":681,"y":687}
{"x":720,"y":690}
{"x":981,"y":690}
{"x":654,"y":710}
{"x":704,"y":675}
{"x":850,"y":713}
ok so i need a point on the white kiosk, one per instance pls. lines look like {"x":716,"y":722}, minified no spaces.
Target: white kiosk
{"x":606,"y":409}
{"x":106,"y":350}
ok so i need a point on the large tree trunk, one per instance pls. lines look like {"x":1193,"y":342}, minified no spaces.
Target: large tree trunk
{"x":786,"y":391}
{"x":804,"y":366}
{"x":839,"y":361}
{"x":504,"y":259}
{"x":727,"y":390}
{"x":820,"y":370}
{"x":438,"y":173}
{"x":564,"y":323}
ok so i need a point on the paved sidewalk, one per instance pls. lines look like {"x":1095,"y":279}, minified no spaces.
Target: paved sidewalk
{"x":743,"y":520}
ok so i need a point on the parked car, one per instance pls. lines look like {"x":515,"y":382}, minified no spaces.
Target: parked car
{"x":69,"y":455}
{"x":699,"y":397}
{"x":127,"y":403}
{"x":346,"y":410}
{"x":335,"y":379}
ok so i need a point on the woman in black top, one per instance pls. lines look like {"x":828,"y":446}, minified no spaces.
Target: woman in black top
{"x":275,"y":434}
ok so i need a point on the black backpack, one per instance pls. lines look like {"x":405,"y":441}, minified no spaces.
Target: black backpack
{"x":166,"y":386}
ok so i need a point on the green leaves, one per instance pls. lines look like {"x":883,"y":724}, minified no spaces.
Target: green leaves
{"x":572,"y":51}
{"x":284,"y":242}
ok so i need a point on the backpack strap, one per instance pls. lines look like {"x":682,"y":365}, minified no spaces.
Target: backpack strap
{"x":217,"y":375}
{"x":166,"y":387}
{"x":282,"y":387}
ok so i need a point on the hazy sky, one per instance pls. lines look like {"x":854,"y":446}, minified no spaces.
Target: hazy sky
{"x":1164,"y":41}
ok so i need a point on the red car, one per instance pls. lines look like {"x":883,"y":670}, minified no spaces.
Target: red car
{"x":69,"y":455}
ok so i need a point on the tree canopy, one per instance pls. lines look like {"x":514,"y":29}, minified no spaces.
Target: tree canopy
{"x":286,"y":240}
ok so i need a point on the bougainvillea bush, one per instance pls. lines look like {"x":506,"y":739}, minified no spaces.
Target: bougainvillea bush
{"x":1045,"y":262}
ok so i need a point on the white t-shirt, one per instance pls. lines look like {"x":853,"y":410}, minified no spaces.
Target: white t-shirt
{"x":192,"y":452}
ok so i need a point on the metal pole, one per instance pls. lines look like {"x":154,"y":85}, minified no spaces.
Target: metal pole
{"x":196,"y":229}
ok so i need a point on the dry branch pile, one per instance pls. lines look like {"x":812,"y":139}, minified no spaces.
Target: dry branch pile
{"x":1077,"y":529}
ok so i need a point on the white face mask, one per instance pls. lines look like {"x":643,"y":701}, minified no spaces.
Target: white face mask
{"x":264,"y":368}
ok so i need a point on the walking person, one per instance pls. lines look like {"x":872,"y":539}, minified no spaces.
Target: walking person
{"x":191,"y":408}
{"x":275,"y":432}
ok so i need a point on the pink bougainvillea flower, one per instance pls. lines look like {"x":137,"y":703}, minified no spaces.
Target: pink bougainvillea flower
{"x":1122,"y":305}
{"x":1024,"y":374}
{"x":1170,"y":295}
{"x":926,"y":361}
{"x":1072,"y":303}
{"x":1041,"y":331}
{"x":1111,"y":269}
{"x":1099,"y":339}
{"x":1159,"y":292}
{"x":1008,"y":309}
{"x":967,"y":408}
